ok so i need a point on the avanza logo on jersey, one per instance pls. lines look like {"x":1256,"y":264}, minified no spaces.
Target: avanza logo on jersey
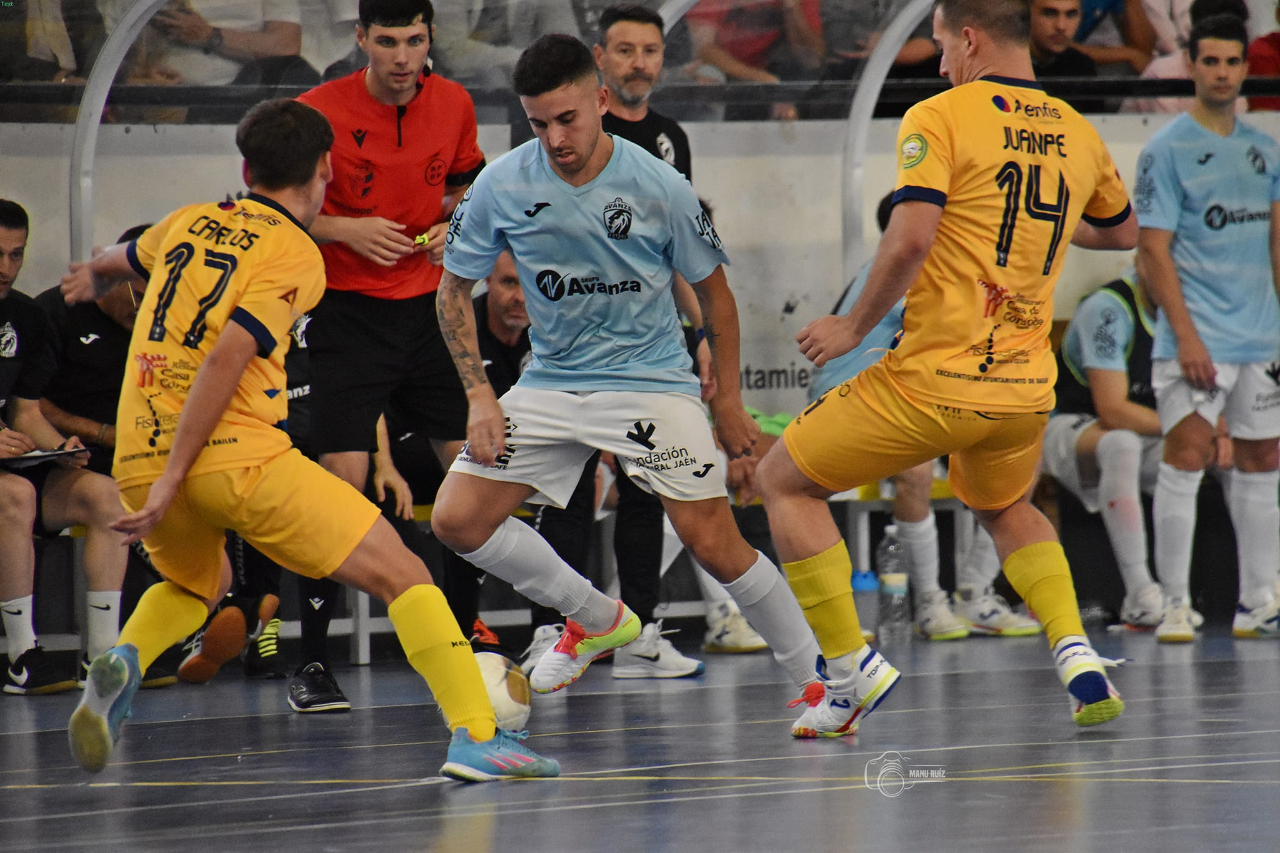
{"x":555,"y":286}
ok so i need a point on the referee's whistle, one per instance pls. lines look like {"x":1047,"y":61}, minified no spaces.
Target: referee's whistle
{"x":422,"y":239}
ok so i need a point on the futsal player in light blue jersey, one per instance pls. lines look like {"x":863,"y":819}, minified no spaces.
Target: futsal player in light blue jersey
{"x":1207,"y":202}
{"x":598,"y":227}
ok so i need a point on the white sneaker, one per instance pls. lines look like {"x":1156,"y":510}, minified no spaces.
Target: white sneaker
{"x":651,"y":655}
{"x":1177,"y":625}
{"x":934,"y":619}
{"x":728,"y":632}
{"x":987,"y":613}
{"x":836,"y":708}
{"x":1094,"y":699}
{"x":1258,"y":623}
{"x":1143,"y":609}
{"x":544,"y":637}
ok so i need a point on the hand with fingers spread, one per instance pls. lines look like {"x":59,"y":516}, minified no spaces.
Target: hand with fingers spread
{"x":826,"y":338}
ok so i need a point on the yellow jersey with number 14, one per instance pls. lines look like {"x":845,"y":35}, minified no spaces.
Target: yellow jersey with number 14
{"x":1014,"y":171}
{"x":247,"y":262}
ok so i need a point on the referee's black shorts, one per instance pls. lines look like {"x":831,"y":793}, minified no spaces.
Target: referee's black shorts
{"x":368,"y":354}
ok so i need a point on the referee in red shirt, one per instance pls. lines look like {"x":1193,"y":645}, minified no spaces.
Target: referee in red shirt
{"x":404,"y":152}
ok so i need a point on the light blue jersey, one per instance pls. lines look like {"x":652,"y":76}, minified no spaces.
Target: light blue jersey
{"x":1100,"y":332}
{"x":878,"y":341}
{"x":595,"y":262}
{"x":1215,"y":195}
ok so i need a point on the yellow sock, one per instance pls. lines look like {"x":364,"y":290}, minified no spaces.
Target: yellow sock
{"x":1040,"y":574}
{"x":822,"y":586}
{"x":166,"y":614}
{"x":438,"y":651}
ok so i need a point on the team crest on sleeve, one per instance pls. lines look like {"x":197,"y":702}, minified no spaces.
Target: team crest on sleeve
{"x":617,"y":219}
{"x":1256,"y":160}
{"x":914,"y":150}
{"x":666,"y":150}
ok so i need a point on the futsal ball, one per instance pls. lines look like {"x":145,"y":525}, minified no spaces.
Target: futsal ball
{"x":508,"y":690}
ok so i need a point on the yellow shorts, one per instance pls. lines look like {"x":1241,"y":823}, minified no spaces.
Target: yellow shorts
{"x":868,"y":428}
{"x":292,"y":510}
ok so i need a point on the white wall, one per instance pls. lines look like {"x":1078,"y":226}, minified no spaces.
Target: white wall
{"x":775,"y":189}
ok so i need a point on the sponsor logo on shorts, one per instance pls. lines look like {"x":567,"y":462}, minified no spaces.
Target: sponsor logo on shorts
{"x":706,"y":469}
{"x":667,"y":460}
{"x":642,"y":433}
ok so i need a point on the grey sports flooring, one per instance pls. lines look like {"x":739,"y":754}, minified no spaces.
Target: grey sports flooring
{"x":701,"y":764}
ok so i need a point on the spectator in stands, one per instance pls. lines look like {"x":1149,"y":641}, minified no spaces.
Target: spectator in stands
{"x":49,"y":40}
{"x":1171,"y":21}
{"x":212,"y":43}
{"x":759,"y":41}
{"x":1177,"y":65}
{"x":478,"y":43}
{"x":1053,"y":23}
{"x":46,"y":497}
{"x":1116,"y":32}
{"x":89,"y":345}
{"x":1264,"y":61}
{"x":329,"y":36}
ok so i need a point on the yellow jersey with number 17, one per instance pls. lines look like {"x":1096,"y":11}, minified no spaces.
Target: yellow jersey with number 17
{"x":247,"y":262}
{"x":1014,"y":171}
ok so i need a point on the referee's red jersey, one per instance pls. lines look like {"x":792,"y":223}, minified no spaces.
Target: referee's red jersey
{"x":394,"y":162}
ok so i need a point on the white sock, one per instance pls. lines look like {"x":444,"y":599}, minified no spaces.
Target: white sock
{"x":1120,"y":460}
{"x":19,"y":626}
{"x":521,"y":557}
{"x":1175,"y":523}
{"x":920,"y":542}
{"x":981,"y":564}
{"x":713,"y":592}
{"x":838,"y":669}
{"x":102,"y":621}
{"x":1255,"y":514}
{"x":771,"y":608}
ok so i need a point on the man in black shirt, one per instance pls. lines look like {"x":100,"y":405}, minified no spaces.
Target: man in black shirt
{"x":629,"y":56}
{"x":46,"y":497}
{"x":89,"y":347}
{"x":1053,"y":24}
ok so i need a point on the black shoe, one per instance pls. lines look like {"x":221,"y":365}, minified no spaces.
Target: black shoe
{"x":313,"y":690}
{"x":262,"y":658}
{"x":35,"y":672}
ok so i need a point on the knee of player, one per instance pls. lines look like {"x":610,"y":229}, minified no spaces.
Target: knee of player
{"x":1119,"y":446}
{"x":455,"y":530}
{"x":102,"y":500}
{"x":17,"y":503}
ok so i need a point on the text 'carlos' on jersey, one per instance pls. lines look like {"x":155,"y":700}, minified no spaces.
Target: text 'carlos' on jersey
{"x":247,"y":262}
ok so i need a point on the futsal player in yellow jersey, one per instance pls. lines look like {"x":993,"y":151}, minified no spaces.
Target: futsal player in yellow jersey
{"x":201,"y":446}
{"x":994,"y":178}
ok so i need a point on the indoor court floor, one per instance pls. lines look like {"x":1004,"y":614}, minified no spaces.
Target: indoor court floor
{"x":987,"y":759}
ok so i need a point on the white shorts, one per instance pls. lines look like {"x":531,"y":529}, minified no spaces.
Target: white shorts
{"x":1061,"y":436}
{"x":1247,"y":396}
{"x":662,"y":439}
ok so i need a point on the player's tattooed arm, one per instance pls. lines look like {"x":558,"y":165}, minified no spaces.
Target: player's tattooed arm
{"x":458,"y":326}
{"x":486,"y":434}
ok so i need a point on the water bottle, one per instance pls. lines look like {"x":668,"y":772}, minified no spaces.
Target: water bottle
{"x":866,"y":598}
{"x":895,"y":606}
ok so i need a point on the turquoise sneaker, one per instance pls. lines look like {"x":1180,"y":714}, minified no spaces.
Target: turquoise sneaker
{"x":504,"y":757}
{"x":113,"y":678}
